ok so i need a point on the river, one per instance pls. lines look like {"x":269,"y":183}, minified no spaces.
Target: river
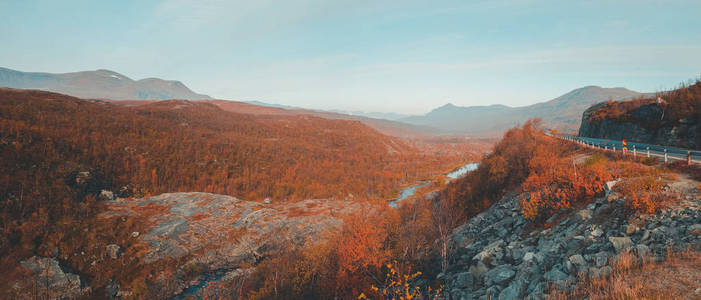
{"x":410,"y":191}
{"x":193,"y":290}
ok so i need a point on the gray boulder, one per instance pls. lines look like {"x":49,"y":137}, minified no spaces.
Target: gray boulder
{"x":47,"y":280}
{"x":499,"y":275}
{"x":694,"y":229}
{"x":620,"y":243}
{"x":556,"y":276}
{"x":464,"y":280}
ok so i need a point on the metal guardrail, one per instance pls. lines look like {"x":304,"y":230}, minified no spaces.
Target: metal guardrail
{"x":637,"y":149}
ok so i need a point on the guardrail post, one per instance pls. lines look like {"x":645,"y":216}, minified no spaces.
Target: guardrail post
{"x":665,"y":156}
{"x":606,"y":147}
{"x":688,"y":158}
{"x":614,"y":148}
{"x":634,"y":152}
{"x":648,"y":152}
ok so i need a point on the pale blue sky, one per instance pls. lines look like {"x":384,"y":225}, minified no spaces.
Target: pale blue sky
{"x":402,"y":56}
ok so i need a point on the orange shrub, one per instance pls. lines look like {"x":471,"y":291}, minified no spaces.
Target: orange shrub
{"x":643,"y":194}
{"x":556,"y":182}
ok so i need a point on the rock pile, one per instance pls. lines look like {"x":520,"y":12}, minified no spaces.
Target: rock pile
{"x":498,"y":255}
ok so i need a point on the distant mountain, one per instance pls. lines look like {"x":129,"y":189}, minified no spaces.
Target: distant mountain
{"x":563,"y":113}
{"x":259,"y":103}
{"x":104,"y":84}
{"x":376,"y":115}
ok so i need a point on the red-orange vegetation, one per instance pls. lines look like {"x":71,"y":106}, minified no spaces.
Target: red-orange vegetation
{"x":683,"y":103}
{"x":551,"y":174}
{"x":48,"y":141}
{"x":507,"y":166}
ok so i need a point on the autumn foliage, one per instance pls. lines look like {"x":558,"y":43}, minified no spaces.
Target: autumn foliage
{"x":550,"y":175}
{"x":57,"y":153}
{"x":680,"y":104}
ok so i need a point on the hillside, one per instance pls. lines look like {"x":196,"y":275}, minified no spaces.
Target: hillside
{"x":98,"y":197}
{"x":673,"y":120}
{"x":387,"y":127}
{"x":547,"y":219}
{"x":562,"y":113}
{"x":99,"y":84}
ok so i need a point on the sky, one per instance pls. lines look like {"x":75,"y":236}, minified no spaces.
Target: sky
{"x":389,"y":56}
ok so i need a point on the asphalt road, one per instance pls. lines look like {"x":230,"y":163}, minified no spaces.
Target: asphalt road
{"x":673,"y":153}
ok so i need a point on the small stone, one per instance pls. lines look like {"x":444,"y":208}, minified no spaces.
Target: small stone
{"x":608,"y":186}
{"x":584,"y":214}
{"x":113,"y":251}
{"x":268,"y":200}
{"x":694,"y":229}
{"x":556,"y":276}
{"x":528,"y":257}
{"x":646,"y":235}
{"x":597,"y":232}
{"x":135,"y":234}
{"x":631,"y":229}
{"x":620,"y":243}
{"x":578,"y":260}
{"x":106,"y":195}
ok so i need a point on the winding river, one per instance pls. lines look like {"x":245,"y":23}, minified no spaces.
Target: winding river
{"x":410,"y":191}
{"x":193,"y":290}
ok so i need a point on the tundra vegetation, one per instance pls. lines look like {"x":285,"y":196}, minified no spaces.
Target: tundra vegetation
{"x":59,"y":153}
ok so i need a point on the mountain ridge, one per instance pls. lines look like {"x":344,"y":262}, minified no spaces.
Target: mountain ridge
{"x":100,"y":83}
{"x":562,"y":113}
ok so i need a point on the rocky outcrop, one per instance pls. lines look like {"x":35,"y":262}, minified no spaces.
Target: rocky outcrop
{"x":498,"y":254}
{"x":217,"y":234}
{"x":45,"y":279}
{"x":644,"y":125}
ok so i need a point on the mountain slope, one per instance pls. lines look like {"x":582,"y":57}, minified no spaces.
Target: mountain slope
{"x":387,"y":127}
{"x":562,"y":113}
{"x":103,"y":84}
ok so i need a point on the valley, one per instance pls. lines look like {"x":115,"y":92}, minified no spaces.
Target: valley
{"x":214,"y":199}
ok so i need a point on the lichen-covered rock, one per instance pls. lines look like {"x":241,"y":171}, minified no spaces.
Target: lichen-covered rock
{"x":222,"y":232}
{"x":44,"y":278}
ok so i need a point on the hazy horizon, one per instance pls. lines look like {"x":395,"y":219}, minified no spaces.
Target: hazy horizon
{"x":407,"y":57}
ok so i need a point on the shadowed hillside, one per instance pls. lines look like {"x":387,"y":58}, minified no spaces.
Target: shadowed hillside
{"x":672,"y":118}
